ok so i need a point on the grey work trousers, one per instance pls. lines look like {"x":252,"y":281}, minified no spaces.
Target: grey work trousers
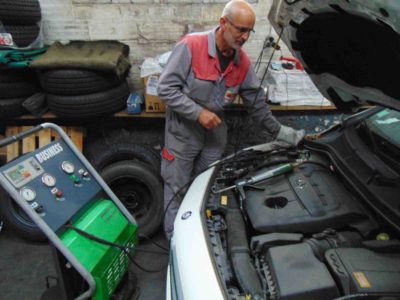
{"x":192,"y":149}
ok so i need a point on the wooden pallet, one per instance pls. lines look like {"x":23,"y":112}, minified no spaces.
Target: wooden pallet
{"x":39,"y":139}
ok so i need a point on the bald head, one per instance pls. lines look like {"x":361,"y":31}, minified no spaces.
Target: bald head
{"x":235,"y":25}
{"x":239,"y":9}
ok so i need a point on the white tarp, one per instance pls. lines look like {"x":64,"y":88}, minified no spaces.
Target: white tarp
{"x":154,"y":66}
{"x":292,"y":87}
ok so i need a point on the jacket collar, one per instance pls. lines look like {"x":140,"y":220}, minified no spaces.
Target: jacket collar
{"x":212,"y":46}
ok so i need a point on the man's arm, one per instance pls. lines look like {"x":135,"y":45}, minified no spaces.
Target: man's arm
{"x":254,"y":97}
{"x":172,"y":80}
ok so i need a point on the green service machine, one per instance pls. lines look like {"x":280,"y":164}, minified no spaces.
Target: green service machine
{"x":92,"y":232}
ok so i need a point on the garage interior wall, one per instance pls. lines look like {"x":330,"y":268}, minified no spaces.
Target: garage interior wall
{"x":149,"y":27}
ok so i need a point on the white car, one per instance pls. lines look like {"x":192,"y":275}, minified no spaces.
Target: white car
{"x":317,"y":222}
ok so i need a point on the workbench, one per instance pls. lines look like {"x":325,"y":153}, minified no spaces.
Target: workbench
{"x":76,"y":128}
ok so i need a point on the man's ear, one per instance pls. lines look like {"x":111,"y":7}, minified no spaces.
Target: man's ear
{"x":222,"y":23}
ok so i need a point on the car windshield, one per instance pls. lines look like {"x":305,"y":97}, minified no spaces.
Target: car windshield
{"x":386,"y":124}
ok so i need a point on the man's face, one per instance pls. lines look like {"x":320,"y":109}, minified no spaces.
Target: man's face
{"x":237,"y":32}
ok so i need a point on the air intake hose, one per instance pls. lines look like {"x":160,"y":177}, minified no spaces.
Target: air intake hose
{"x":239,"y":253}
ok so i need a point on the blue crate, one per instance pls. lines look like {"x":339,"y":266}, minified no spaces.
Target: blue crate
{"x":134,"y":103}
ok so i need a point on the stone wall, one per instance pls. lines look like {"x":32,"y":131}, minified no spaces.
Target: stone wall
{"x":149,"y":27}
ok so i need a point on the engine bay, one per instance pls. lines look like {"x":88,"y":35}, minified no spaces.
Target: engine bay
{"x":300,"y":233}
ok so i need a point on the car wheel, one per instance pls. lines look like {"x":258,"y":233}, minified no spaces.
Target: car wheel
{"x":140,"y":190}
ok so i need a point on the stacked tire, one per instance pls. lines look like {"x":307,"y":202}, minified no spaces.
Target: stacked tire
{"x":16,"y":85}
{"x":21,"y":19}
{"x":78,"y":93}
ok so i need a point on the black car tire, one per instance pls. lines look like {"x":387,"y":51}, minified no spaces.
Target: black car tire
{"x":103,"y":152}
{"x":18,"y":221}
{"x":23,"y":35}
{"x":140,"y":189}
{"x":20,"y":11}
{"x":77,"y":82}
{"x":11,"y":108}
{"x":91,"y":105}
{"x":13,"y":75}
{"x":17,"y":89}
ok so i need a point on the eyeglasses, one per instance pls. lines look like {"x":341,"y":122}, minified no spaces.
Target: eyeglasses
{"x":241,"y":29}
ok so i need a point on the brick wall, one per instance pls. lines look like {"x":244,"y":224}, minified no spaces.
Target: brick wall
{"x":149,"y":27}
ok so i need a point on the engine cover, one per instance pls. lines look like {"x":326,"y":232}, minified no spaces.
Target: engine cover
{"x":307,"y":200}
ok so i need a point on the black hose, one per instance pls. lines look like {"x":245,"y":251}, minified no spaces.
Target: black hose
{"x":239,"y":253}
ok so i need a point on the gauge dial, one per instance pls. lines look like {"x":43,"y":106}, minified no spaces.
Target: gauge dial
{"x":48,"y":180}
{"x":68,"y":167}
{"x":28,"y":194}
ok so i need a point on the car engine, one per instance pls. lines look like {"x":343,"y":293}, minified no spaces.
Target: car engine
{"x":300,"y":233}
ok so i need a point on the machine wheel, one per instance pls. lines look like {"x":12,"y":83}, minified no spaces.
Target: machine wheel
{"x":15,"y":218}
{"x":140,"y":189}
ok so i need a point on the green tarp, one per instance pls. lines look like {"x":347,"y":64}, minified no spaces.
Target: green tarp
{"x":12,"y":58}
{"x":108,"y":56}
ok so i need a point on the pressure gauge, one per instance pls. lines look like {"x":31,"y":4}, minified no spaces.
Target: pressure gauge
{"x":67,"y":167}
{"x":48,"y":180}
{"x":28,"y":194}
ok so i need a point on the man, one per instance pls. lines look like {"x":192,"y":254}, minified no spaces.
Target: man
{"x":204,"y":73}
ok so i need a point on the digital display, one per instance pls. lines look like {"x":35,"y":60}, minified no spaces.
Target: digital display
{"x":23,"y":172}
{"x":16,"y":174}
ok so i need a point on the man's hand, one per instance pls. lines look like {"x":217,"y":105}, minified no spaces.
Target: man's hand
{"x":290,"y":135}
{"x":208,"y":119}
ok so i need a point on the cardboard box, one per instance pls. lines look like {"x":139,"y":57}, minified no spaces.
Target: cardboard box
{"x":152,"y":101}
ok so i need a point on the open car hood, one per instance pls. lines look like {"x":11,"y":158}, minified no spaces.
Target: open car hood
{"x":350,"y":49}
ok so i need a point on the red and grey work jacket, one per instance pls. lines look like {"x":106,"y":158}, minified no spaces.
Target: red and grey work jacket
{"x":192,"y":80}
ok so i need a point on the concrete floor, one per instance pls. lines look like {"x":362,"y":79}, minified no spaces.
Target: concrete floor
{"x":24,"y":267}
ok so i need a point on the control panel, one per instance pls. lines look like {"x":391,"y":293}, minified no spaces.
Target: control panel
{"x":53,"y":181}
